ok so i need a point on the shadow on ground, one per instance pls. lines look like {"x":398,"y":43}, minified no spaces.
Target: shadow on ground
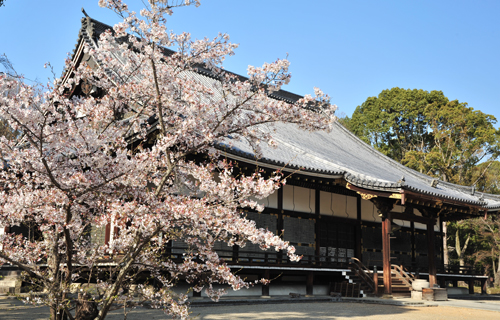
{"x":15,"y":310}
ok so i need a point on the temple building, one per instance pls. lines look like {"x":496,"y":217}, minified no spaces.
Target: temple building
{"x":347,"y":208}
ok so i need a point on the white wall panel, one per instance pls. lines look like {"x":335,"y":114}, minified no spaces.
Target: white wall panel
{"x":298,"y":199}
{"x":269,"y":202}
{"x":338,"y":205}
{"x":369,"y":212}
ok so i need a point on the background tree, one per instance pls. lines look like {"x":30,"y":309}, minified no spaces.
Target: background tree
{"x":128,"y":158}
{"x":489,"y":252}
{"x":460,"y":139}
{"x":394,"y":122}
{"x":489,"y":177}
{"x":490,"y":228}
{"x":431,"y":134}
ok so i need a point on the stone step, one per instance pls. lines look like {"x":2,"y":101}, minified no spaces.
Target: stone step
{"x":10,"y":289}
{"x":10,"y":283}
{"x":10,"y":273}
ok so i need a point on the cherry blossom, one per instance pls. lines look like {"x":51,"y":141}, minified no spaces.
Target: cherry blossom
{"x":144,"y":157}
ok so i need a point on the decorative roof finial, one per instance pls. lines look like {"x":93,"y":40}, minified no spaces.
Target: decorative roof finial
{"x":434,"y":183}
{"x":85,"y":13}
{"x":401,"y":181}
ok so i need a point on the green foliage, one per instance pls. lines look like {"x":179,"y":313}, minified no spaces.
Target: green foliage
{"x":394,"y":122}
{"x":487,"y":251}
{"x":459,"y":232}
{"x":427,"y":132}
{"x":489,"y":177}
{"x":461,"y":138}
{"x":445,"y":139}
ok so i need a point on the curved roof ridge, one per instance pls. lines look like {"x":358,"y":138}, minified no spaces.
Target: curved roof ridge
{"x":244,"y":154}
{"x":404,"y":168}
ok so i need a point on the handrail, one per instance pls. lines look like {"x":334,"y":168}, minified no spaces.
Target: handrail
{"x":363,"y":272}
{"x":360,"y":264}
{"x":403,"y":275}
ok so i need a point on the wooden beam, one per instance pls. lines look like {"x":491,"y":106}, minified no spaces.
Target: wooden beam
{"x":411,"y":196}
{"x":368,"y":194}
{"x":409,"y":217}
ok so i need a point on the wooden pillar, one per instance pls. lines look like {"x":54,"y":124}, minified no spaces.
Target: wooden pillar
{"x":413,"y":247}
{"x":107,"y":233}
{"x":281,"y":255}
{"x":265,"y":287}
{"x":196,"y":294}
{"x":386,"y":254}
{"x":358,"y":253}
{"x":309,"y":283}
{"x":442,"y":246}
{"x":431,"y":252}
{"x":317,"y":204}
{"x":384,"y":206}
{"x":483,"y":286}
{"x":236,"y":253}
{"x":442,"y":283}
{"x":471,"y":286}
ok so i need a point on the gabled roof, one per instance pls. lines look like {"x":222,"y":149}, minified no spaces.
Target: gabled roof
{"x":337,"y":153}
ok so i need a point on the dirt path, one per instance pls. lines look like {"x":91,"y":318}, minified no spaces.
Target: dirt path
{"x":285,"y":311}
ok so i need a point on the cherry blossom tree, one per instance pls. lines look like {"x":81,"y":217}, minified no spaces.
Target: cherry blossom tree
{"x":127,"y":157}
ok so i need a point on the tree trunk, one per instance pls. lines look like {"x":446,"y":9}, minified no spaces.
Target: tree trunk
{"x":497,"y":273}
{"x":461,"y":250}
{"x":445,"y":244}
{"x":462,"y":263}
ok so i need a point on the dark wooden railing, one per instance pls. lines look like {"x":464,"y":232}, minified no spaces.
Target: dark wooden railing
{"x":363,"y":273}
{"x":267,"y":258}
{"x":457,"y":269}
{"x":402,"y":274}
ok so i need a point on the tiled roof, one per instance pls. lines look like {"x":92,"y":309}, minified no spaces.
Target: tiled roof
{"x":341,"y":152}
{"x":334,"y":153}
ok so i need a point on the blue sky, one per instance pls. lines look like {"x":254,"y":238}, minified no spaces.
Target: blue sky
{"x":350,"y":49}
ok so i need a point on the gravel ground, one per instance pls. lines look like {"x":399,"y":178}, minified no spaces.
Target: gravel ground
{"x":15,"y":310}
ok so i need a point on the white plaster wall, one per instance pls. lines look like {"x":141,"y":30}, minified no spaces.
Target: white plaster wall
{"x":332,"y":204}
{"x":275,"y":289}
{"x":401,"y":223}
{"x":269,"y":202}
{"x":369,"y":212}
{"x":398,"y":208}
{"x":298,"y":199}
{"x":422,"y":226}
